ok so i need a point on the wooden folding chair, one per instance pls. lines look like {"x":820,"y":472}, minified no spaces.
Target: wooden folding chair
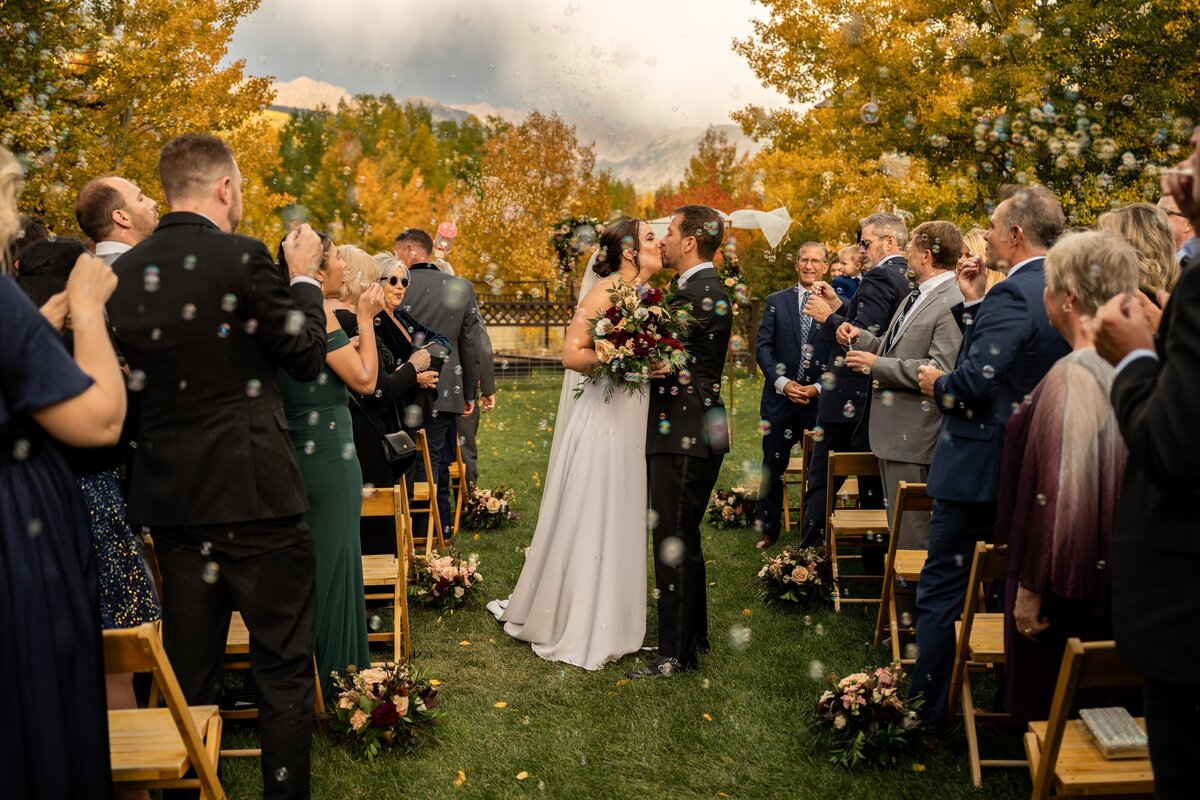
{"x":385,"y":577}
{"x":796,"y":474}
{"x":458,"y":485}
{"x":156,"y":748}
{"x":1063,"y":760}
{"x":237,"y":655}
{"x":423,"y":499}
{"x":979,"y":648}
{"x":903,"y":566}
{"x":854,"y":527}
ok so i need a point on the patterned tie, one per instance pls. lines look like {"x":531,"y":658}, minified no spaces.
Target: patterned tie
{"x":805,"y":320}
{"x":895,"y":331}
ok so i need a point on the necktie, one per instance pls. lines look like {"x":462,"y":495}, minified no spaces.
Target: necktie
{"x":895,"y":331}
{"x":805,"y":320}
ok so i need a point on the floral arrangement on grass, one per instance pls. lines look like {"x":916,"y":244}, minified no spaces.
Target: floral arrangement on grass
{"x":571,"y":236}
{"x":446,"y":582}
{"x":733,"y":508}
{"x":488,"y":508}
{"x":642,"y":325}
{"x":795,"y":575}
{"x":384,"y":707}
{"x":865,"y":719}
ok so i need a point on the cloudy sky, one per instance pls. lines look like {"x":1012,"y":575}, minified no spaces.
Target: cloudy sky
{"x":628,"y":61}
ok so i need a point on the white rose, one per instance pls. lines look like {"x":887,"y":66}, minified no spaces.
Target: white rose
{"x":640,"y":313}
{"x":603,"y":327}
{"x":459,"y":591}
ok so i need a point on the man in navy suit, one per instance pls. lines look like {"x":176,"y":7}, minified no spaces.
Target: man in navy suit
{"x":843,"y":400}
{"x":792,"y":355}
{"x":1008,"y":346}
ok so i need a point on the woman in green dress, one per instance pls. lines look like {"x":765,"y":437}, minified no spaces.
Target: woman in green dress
{"x":318,"y":416}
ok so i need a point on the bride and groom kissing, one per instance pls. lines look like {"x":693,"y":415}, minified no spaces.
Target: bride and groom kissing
{"x":631,"y":463}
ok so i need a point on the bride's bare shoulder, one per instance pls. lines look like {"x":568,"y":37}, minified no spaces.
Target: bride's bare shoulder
{"x":597,"y":297}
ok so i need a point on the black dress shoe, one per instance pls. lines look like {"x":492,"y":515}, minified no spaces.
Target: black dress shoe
{"x":659,"y":668}
{"x":764,"y":542}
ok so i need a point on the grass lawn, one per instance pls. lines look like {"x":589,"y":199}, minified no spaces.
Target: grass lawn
{"x":580,"y":734}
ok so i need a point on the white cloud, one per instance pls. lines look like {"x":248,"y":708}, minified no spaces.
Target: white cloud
{"x":627,"y":62}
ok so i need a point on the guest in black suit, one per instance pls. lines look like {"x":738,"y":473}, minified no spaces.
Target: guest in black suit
{"x":792,"y":354}
{"x":1008,"y":347}
{"x":843,"y":403}
{"x":1156,"y":546}
{"x":684,"y":458}
{"x":204,"y":321}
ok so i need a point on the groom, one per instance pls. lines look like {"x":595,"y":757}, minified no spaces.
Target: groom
{"x":687,"y":437}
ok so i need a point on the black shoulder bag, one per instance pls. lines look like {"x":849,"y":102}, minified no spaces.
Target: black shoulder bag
{"x":396,"y":446}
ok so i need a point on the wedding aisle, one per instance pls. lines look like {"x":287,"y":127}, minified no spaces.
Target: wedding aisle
{"x":517,"y":726}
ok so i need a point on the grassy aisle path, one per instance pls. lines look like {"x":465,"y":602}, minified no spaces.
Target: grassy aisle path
{"x":584,"y":735}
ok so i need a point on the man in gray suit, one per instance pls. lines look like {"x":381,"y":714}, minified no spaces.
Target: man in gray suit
{"x":468,"y":426}
{"x":115,"y":215}
{"x":904,"y":424}
{"x":447,"y":305}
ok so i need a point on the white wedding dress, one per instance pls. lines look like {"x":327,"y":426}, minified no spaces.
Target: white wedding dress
{"x":581,"y":597}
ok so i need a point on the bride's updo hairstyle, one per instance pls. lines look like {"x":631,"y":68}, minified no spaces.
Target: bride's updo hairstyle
{"x":616,"y":239}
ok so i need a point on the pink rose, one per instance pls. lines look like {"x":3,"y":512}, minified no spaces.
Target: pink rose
{"x":358,"y":720}
{"x":800,"y":574}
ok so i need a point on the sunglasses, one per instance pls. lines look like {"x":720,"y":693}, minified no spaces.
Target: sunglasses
{"x":393,"y":280}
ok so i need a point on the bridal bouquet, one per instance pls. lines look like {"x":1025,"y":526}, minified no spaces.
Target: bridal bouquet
{"x":796,"y":575}
{"x":641,"y":325}
{"x":445,"y":582}
{"x":384,"y":707}
{"x":733,"y":508}
{"x":865,"y":719}
{"x":488,"y":508}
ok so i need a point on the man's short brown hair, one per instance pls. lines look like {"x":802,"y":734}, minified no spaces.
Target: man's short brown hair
{"x":942,"y":239}
{"x":191,"y":160}
{"x":94,"y":207}
{"x":705,"y":225}
{"x":1037,"y":212}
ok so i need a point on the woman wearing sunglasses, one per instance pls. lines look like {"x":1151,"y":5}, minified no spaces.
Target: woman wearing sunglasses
{"x":404,"y":367}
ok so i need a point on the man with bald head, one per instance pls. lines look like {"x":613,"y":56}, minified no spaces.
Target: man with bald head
{"x":114,"y":214}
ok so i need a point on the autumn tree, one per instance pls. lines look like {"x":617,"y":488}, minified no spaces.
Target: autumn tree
{"x":87,"y":92}
{"x":531,"y":176}
{"x":389,"y":203}
{"x":715,"y":176}
{"x":1085,"y":96}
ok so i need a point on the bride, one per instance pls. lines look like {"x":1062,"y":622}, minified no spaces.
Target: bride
{"x":581,"y":597}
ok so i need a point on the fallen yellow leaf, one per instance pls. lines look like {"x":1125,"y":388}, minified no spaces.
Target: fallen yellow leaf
{"x":477,"y":537}
{"x":612,"y":694}
{"x":918,"y":767}
{"x":746,"y":612}
{"x":502,"y":704}
{"x":460,"y":778}
{"x":522,"y":775}
{"x":722,"y":794}
{"x":622,"y":682}
{"x":708,"y":717}
{"x":464,"y":642}
{"x":434,"y":682}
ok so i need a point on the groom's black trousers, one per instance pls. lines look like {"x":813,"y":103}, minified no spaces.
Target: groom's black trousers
{"x":680,"y":487}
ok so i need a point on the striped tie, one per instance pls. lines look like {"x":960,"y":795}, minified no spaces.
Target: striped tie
{"x":805,"y":320}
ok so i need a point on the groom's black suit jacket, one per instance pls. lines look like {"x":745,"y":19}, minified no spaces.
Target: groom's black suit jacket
{"x":693,"y":408}
{"x":205,"y":317}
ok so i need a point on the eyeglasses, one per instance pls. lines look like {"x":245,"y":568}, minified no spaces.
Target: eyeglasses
{"x":393,"y":280}
{"x":865,"y":244}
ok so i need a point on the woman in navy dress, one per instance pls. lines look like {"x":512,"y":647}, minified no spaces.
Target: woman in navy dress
{"x":52,"y":659}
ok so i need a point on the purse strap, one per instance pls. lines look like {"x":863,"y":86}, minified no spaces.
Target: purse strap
{"x":374,"y":425}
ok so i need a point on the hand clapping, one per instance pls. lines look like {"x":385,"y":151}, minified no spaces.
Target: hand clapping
{"x":972,"y":279}
{"x":1120,"y":327}
{"x":303,"y":251}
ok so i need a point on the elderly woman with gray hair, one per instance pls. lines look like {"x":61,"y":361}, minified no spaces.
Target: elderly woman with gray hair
{"x":1060,"y":479}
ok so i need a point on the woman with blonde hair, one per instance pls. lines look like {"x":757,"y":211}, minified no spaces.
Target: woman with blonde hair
{"x":50,"y":605}
{"x":1148,"y":231}
{"x":975,"y":246}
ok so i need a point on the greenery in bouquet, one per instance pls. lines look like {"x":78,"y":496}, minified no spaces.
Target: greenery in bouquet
{"x":384,"y":707}
{"x":643,"y":324}
{"x":571,"y":236}
{"x":864,"y":719}
{"x":795,"y":575}
{"x":446,"y":582}
{"x":731,"y":275}
{"x":488,"y":508}
{"x":733,"y":508}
